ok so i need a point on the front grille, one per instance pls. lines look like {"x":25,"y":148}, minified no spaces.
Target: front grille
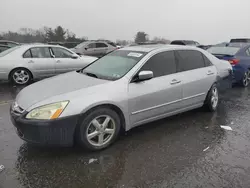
{"x":17,"y":109}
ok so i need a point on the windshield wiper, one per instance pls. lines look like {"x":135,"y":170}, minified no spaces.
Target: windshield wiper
{"x":90,"y":74}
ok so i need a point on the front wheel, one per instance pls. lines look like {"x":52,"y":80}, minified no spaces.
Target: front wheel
{"x":246,"y":79}
{"x":20,"y":76}
{"x":98,"y":129}
{"x":212,"y":99}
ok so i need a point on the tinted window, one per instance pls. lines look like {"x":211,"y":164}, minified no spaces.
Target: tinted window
{"x":3,"y":48}
{"x":91,"y":45}
{"x":101,"y":45}
{"x":240,"y":40}
{"x":161,"y":64}
{"x":207,"y":61}
{"x":112,"y":44}
{"x":177,"y":42}
{"x":27,"y":54}
{"x":61,"y":53}
{"x":40,"y":53}
{"x":189,"y":60}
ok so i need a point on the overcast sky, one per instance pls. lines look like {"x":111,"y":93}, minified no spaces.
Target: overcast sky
{"x":207,"y":21}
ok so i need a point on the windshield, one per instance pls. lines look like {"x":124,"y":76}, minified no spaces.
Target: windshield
{"x":114,"y":65}
{"x":4,"y":53}
{"x":81,"y":45}
{"x":223,"y":50}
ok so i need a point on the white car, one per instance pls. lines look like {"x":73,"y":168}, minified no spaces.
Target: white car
{"x":23,"y":63}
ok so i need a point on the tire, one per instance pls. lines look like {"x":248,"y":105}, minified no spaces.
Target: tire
{"x":20,"y":76}
{"x":246,"y":79}
{"x":212,"y":99}
{"x":91,"y":132}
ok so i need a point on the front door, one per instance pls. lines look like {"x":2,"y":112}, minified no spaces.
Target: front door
{"x":90,"y":49}
{"x":40,"y":61}
{"x":64,"y":61}
{"x":159,"y":96}
{"x":197,"y":76}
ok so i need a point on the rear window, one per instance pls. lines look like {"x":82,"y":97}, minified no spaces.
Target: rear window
{"x":223,"y":50}
{"x":239,"y":40}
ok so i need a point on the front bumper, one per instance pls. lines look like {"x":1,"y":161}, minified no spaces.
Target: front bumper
{"x":59,"y":132}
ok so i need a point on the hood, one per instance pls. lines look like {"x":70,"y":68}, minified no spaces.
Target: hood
{"x":57,"y":85}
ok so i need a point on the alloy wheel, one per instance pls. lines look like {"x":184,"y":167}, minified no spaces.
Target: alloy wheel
{"x":101,"y":130}
{"x":21,"y":76}
{"x":214,"y":98}
{"x":246,"y":79}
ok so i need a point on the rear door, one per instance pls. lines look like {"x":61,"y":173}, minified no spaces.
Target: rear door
{"x":101,"y":49}
{"x":40,"y":61}
{"x":158,"y":96}
{"x":197,"y":77}
{"x":64,"y":61}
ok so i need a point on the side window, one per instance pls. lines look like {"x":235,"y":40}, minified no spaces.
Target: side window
{"x":207,"y":61}
{"x":161,"y":64}
{"x":248,"y":52}
{"x":27,"y":54}
{"x":189,"y":60}
{"x":61,"y":53}
{"x":101,"y":45}
{"x":91,"y":45}
{"x":41,"y":52}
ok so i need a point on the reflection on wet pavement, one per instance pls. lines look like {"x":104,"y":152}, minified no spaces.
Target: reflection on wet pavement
{"x":166,"y":153}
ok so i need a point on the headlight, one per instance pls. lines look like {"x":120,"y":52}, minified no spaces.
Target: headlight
{"x":50,"y":111}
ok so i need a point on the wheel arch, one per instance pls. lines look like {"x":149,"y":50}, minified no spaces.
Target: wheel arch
{"x":110,"y":106}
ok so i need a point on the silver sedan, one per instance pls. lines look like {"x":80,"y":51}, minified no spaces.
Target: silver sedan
{"x":23,"y":63}
{"x":124,"y":89}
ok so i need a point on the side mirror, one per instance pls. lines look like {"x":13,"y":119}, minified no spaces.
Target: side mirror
{"x":144,"y":75}
{"x":74,"y":56}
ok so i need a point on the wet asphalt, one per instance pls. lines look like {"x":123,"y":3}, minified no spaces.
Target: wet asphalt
{"x":187,"y":150}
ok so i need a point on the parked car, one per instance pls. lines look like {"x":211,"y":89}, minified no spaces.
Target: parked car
{"x":185,"y":42}
{"x":204,"y":47}
{"x":94,"y":48}
{"x":239,"y":59}
{"x":222,"y":44}
{"x":3,"y":48}
{"x":124,"y":89}
{"x":238,"y":44}
{"x":23,"y":63}
{"x":9,"y":43}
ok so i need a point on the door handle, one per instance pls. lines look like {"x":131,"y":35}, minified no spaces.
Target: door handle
{"x":58,"y":61}
{"x":174,"y":81}
{"x":30,"y":61}
{"x":210,"y":72}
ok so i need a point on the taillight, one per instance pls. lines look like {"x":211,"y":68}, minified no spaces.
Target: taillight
{"x":234,"y":61}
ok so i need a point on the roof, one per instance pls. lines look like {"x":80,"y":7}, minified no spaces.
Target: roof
{"x":148,"y":48}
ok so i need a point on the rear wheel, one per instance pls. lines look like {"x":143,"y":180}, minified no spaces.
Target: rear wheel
{"x":212,"y":99}
{"x":98,"y":129}
{"x":20,"y":76}
{"x":246,"y":79}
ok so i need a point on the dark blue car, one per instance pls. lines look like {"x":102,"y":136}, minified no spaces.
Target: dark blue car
{"x":239,"y":57}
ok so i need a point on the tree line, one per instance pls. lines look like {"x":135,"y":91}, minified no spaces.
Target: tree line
{"x":60,"y":34}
